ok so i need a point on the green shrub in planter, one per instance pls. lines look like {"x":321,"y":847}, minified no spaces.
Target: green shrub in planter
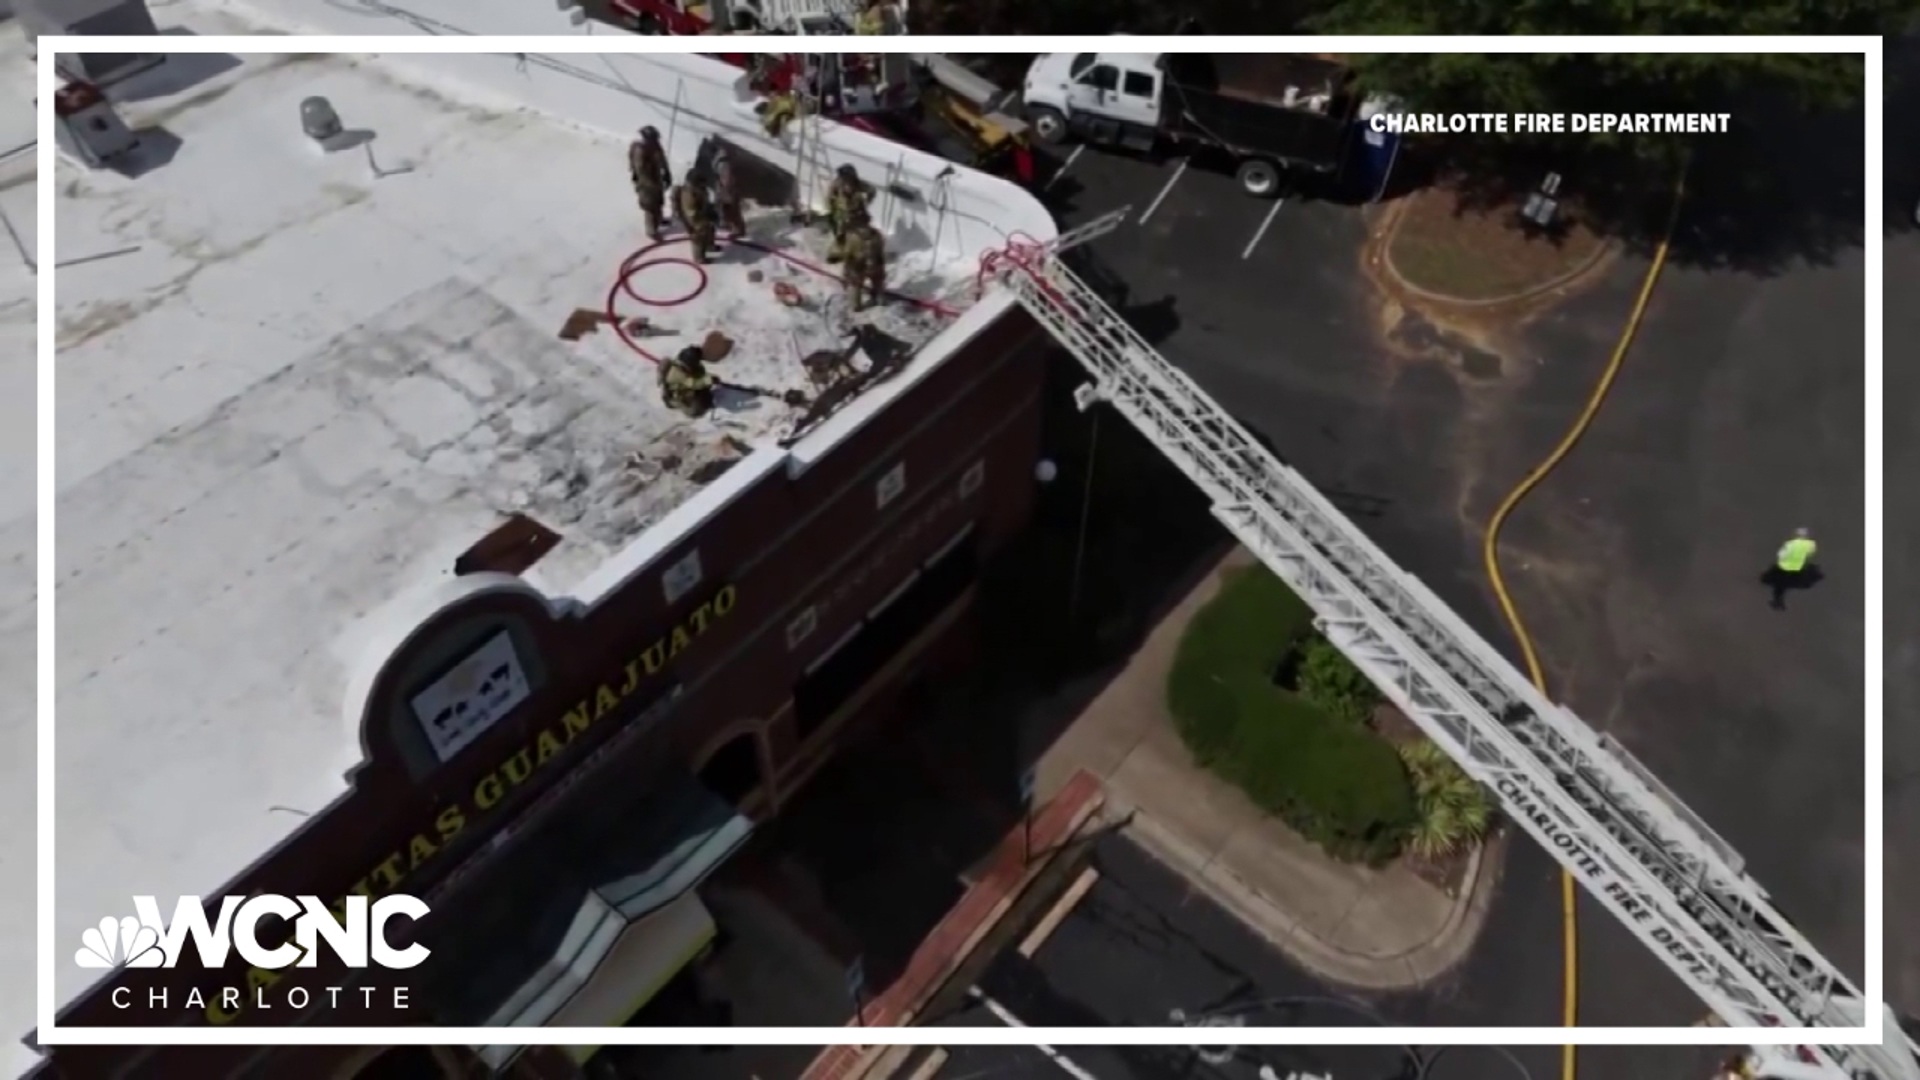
{"x":1328,"y":679}
{"x":1335,"y":782}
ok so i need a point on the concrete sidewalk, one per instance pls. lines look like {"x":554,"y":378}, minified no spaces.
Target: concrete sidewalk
{"x":1376,"y":929}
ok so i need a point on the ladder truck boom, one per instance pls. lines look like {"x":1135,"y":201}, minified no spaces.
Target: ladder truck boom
{"x":1633,"y":846}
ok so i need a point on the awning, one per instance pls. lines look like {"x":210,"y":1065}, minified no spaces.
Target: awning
{"x":589,"y":915}
{"x":645,"y":959}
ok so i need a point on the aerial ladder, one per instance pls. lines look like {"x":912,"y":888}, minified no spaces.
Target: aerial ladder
{"x":1631,"y":843}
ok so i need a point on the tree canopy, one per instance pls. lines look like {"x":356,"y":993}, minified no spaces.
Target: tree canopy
{"x":1611,"y":82}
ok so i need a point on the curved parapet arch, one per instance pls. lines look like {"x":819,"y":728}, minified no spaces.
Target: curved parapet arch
{"x":390,"y":631}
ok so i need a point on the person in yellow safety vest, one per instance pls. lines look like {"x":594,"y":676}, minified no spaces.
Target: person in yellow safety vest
{"x":685,"y":385}
{"x":1793,"y":567}
{"x":780,"y":110}
{"x":866,"y":278}
{"x":847,"y":200}
{"x":872,"y":18}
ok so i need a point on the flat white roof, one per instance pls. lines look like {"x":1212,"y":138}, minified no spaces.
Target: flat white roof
{"x":296,"y":384}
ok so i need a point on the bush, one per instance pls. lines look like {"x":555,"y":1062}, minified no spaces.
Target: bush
{"x":1226,"y":645}
{"x":1454,"y":810}
{"x":1329,"y":680}
{"x":1336,"y":783}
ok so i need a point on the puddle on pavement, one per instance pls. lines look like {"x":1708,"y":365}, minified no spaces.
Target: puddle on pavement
{"x":1414,"y":333}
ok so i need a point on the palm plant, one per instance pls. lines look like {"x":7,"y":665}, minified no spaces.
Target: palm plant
{"x":1454,"y":809}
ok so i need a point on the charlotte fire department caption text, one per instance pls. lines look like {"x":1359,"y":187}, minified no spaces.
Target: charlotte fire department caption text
{"x":1544,"y":123}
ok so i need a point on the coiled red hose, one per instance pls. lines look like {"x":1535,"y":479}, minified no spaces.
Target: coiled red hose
{"x":645,"y":259}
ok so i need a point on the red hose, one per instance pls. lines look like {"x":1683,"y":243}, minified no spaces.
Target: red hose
{"x":641,"y":260}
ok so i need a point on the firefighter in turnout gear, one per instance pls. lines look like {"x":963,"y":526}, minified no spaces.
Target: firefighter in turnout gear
{"x":647,"y":165}
{"x":847,"y":200}
{"x":781,"y":109}
{"x":872,"y":18}
{"x":866,"y":267}
{"x":694,"y":206}
{"x":726,"y":195}
{"x":685,"y":385}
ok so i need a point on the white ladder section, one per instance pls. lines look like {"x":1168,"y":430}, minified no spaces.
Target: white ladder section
{"x":1640,"y":853}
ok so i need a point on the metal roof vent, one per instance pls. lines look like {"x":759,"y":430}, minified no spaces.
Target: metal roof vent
{"x":320,"y":121}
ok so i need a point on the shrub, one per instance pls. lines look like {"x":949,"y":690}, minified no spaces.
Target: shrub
{"x":1328,"y":679}
{"x":1454,"y":810}
{"x":1336,"y":783}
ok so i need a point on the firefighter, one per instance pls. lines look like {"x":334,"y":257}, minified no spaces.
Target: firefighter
{"x":872,"y":18}
{"x":847,"y":200}
{"x":760,"y":73}
{"x":694,"y":206}
{"x":647,"y":165}
{"x":726,"y":195}
{"x":866,"y":252}
{"x":1792,"y":567}
{"x":685,"y":385}
{"x":782,"y":108}
{"x":1737,"y":1067}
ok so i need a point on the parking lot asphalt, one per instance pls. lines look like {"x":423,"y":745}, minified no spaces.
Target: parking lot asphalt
{"x":1736,"y":419}
{"x":1142,"y":948}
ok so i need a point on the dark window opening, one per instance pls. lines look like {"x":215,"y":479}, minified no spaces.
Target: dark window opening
{"x":1104,"y":77}
{"x":734,"y":770}
{"x":402,"y":1063}
{"x":832,"y":684}
{"x":1139,"y":84}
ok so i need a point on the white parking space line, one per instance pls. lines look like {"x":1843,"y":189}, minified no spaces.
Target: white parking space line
{"x":1068,"y":164}
{"x":1066,"y":1064}
{"x":1162,"y":197}
{"x":1262,"y":230}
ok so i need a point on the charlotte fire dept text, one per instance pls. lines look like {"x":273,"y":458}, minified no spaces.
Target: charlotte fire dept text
{"x":1551,"y":123}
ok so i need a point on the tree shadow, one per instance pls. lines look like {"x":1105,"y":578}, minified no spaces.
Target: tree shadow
{"x":1901,"y":146}
{"x":1118,"y":538}
{"x":1785,"y":186}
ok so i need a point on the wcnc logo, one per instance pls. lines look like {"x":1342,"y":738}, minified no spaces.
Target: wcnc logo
{"x":357,"y":934}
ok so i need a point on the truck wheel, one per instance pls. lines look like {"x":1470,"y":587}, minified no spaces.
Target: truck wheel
{"x":1048,"y":125}
{"x":1261,"y":179}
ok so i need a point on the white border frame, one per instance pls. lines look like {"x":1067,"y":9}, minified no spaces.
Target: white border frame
{"x":50,"y":1034}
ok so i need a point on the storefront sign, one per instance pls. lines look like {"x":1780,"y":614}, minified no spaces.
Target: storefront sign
{"x":853,"y":582}
{"x":494,"y":787}
{"x":462,"y":705}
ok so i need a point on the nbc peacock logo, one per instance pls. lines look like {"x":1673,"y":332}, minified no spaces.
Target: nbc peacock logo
{"x":120,"y":943}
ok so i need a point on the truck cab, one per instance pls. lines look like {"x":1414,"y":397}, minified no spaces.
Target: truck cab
{"x":1117,"y":89}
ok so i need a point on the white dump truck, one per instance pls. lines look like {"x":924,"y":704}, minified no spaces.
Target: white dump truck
{"x":1267,"y":114}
